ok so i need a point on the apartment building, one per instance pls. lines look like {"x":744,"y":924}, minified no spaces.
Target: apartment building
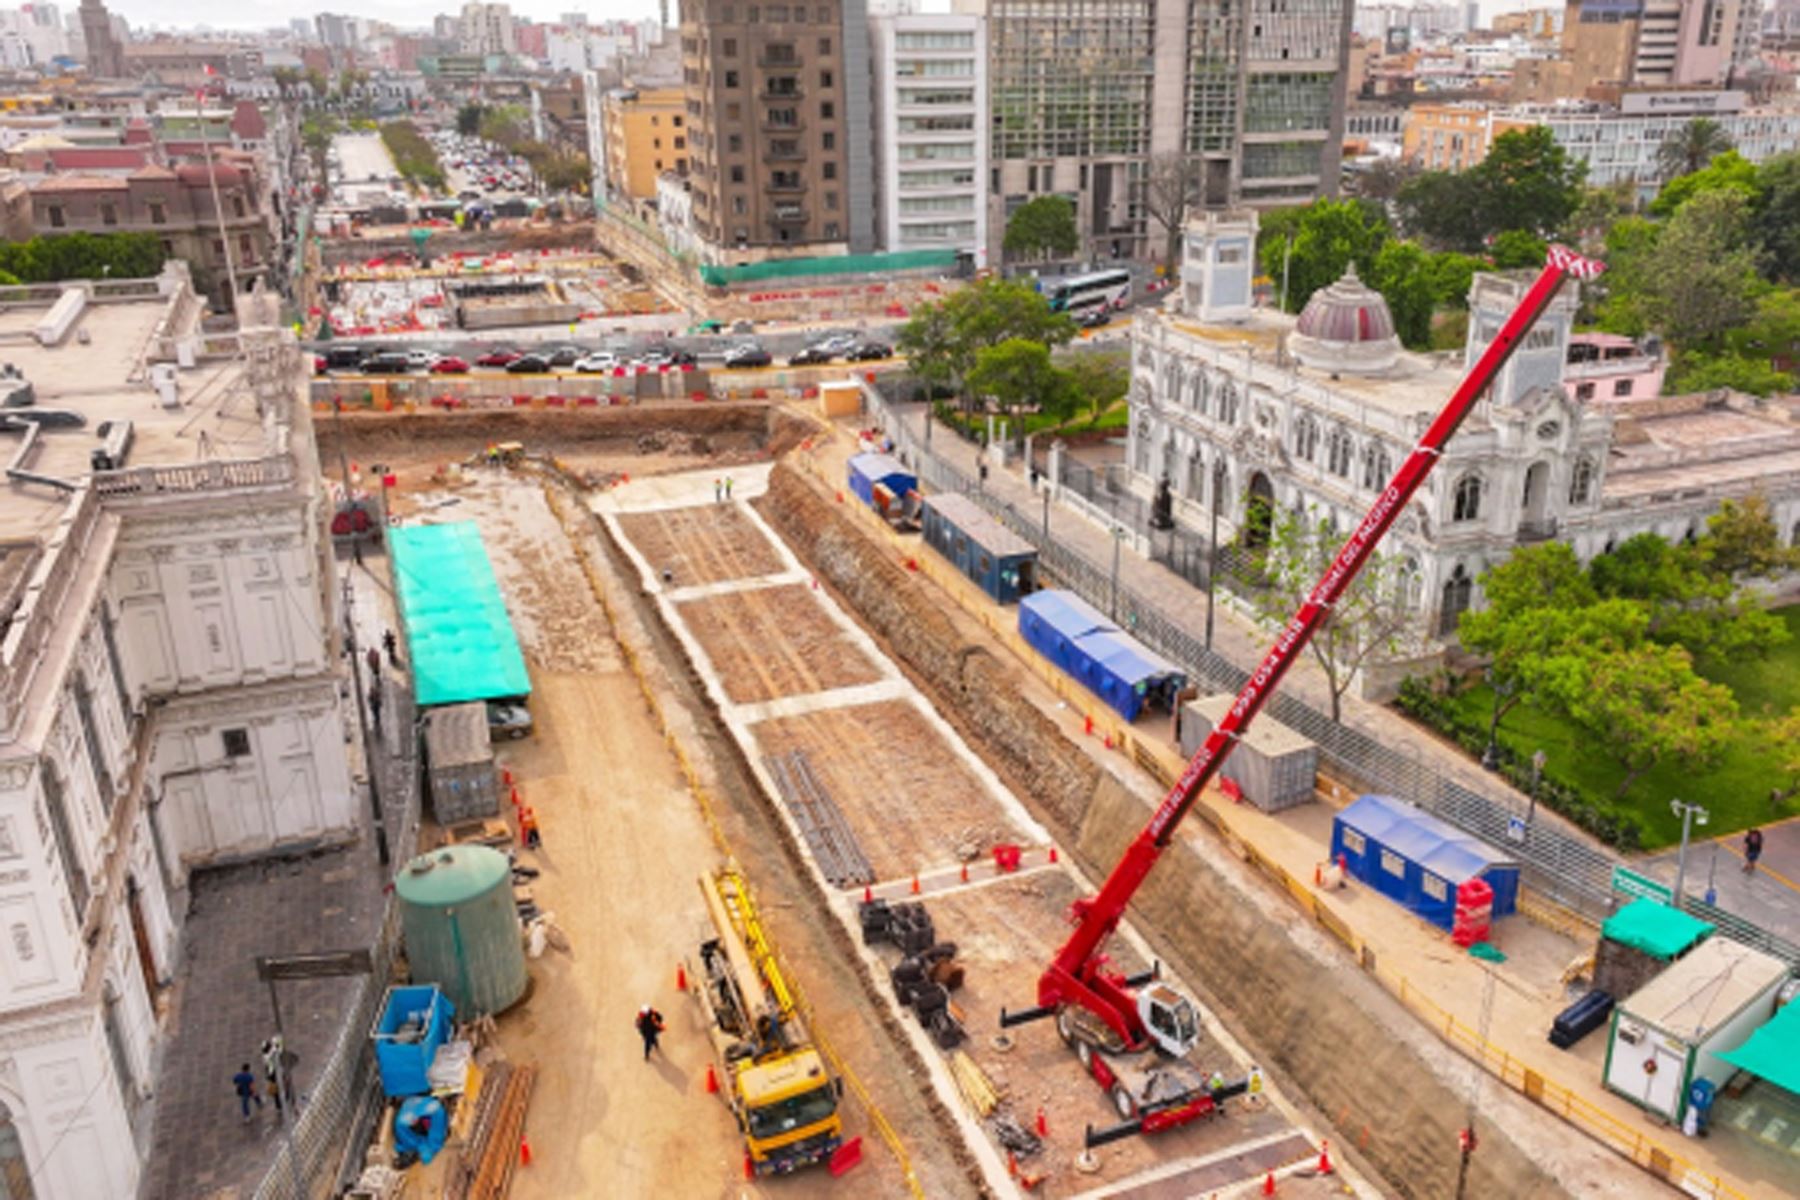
{"x":778,"y":114}
{"x":931,"y":131}
{"x":1085,"y":93}
{"x":1448,"y":137}
{"x":646,"y":134}
{"x":487,"y":29}
{"x":167,"y":689}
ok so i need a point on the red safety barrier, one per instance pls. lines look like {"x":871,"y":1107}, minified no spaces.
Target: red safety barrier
{"x":587,"y":401}
{"x":521,"y":401}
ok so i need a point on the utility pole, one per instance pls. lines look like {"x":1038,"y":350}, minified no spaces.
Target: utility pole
{"x":1538,"y":760}
{"x":1691,"y":815}
{"x":1212,"y":549}
{"x":1118,"y":541}
{"x":356,"y":683}
{"x":212,"y":178}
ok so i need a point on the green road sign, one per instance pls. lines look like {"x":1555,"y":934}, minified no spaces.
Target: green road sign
{"x":1631,"y":883}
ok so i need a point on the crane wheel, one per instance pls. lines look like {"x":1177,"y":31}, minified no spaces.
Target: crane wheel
{"x":1065,"y":1027}
{"x":1122,"y":1102}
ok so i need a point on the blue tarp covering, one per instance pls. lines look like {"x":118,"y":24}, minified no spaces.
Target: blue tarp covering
{"x":1412,"y":857}
{"x":867,"y":470}
{"x":1107,"y":661}
{"x":459,"y":638}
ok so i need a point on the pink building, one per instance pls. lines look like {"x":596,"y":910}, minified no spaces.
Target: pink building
{"x":1609,"y":369}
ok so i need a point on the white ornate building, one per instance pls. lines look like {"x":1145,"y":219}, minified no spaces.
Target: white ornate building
{"x":1317,"y":412}
{"x":167,"y":696}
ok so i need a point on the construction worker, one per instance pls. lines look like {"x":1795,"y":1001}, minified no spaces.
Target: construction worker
{"x":373,"y":658}
{"x":392,"y":645}
{"x":728,"y":487}
{"x":375,"y":705}
{"x":528,"y":828}
{"x":649,"y":1027}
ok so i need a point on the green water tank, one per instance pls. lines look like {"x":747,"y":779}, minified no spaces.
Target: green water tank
{"x":462,"y":931}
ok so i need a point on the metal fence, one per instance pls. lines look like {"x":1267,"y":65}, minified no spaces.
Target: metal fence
{"x":346,"y":1100}
{"x":1556,"y":864}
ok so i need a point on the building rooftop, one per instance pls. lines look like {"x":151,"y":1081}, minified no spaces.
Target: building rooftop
{"x":1682,"y":443}
{"x":94,"y":379}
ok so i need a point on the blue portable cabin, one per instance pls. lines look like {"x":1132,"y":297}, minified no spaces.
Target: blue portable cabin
{"x":1104,"y":659}
{"x":415,"y":1020}
{"x":867,"y":471}
{"x":1002,"y":564}
{"x":1418,"y":860}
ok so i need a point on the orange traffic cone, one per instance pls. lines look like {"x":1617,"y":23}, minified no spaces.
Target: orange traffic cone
{"x":1269,"y":1184}
{"x":1012,"y":1164}
{"x":1043,"y":1126}
{"x":915,"y":883}
{"x":524,"y":1150}
{"x":868,"y":894}
{"x":965,"y":872}
{"x":1053,"y":854}
{"x":712,"y":1080}
{"x":1109,"y":741}
{"x":515,"y":797}
{"x":681,"y":977}
{"x":749,"y":1168}
{"x":1087,"y":725}
{"x":1325,"y":1157}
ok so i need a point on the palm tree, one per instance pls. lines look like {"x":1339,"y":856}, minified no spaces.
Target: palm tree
{"x":1692,"y":147}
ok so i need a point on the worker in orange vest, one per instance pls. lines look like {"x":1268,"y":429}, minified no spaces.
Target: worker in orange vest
{"x":528,"y":828}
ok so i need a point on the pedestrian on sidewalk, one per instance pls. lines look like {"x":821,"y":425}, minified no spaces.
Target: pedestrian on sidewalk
{"x":245,"y":1083}
{"x":1034,"y":477}
{"x":718,"y":490}
{"x":649,"y":1027}
{"x":391,"y":644}
{"x":375,"y":705}
{"x":982,"y":469}
{"x":728,"y":487}
{"x":278,"y":1070}
{"x":1752,"y":849}
{"x":373,"y":658}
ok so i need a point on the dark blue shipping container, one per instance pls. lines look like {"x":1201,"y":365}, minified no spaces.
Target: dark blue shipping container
{"x":868,"y":470}
{"x":1418,"y":860}
{"x":1002,"y":564}
{"x":1107,"y":661}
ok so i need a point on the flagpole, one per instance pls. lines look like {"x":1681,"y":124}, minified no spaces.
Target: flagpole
{"x":212,"y":176}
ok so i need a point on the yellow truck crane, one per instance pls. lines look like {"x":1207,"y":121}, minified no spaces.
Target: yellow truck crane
{"x":769,"y":1072}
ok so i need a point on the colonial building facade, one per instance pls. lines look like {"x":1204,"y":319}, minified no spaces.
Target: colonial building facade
{"x":1263,"y":414}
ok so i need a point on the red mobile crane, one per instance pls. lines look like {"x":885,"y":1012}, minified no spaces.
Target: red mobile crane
{"x":1133,"y":1034}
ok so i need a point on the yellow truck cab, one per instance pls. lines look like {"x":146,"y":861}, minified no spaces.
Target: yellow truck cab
{"x":790,"y":1112}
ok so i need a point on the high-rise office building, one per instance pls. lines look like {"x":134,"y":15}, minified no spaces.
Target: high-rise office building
{"x":105,"y":56}
{"x":1086,"y":93}
{"x":777,"y":103}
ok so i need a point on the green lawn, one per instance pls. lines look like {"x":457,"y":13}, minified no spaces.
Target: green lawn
{"x":1736,"y":791}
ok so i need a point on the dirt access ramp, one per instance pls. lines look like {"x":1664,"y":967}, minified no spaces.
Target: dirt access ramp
{"x":924,"y":809}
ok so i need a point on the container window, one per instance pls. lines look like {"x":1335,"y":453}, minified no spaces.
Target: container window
{"x":1434,"y":887}
{"x":1353,"y":842}
{"x":1393,"y":864}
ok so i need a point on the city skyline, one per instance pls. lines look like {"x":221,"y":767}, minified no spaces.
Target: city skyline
{"x":220,"y":15}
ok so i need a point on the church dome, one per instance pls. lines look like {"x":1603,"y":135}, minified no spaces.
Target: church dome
{"x":1346,"y":328}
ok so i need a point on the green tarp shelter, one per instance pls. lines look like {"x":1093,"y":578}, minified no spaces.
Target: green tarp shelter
{"x":1773,"y":1051}
{"x":1656,"y":929}
{"x":460,"y":642}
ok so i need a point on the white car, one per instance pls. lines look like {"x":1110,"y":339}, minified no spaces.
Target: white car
{"x":421,"y":360}
{"x":598,"y":363}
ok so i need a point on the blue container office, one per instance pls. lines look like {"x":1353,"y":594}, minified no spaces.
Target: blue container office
{"x":415,"y":1021}
{"x":1002,"y":564}
{"x":1103,"y":658}
{"x":869,"y":470}
{"x":1417,"y":860}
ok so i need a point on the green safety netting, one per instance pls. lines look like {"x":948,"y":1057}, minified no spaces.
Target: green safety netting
{"x":1655,"y":928}
{"x":458,"y":635}
{"x":778,"y":269}
{"x":1773,"y":1052}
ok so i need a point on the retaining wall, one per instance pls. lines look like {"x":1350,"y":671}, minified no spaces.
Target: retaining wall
{"x":1301,"y":1004}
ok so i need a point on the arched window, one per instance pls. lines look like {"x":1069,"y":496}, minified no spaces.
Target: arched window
{"x":1581,"y":481}
{"x":1375,"y":466}
{"x":15,"y":1176}
{"x":1457,"y":592}
{"x":1468,"y":499}
{"x":1172,"y":384}
{"x":1306,"y":438}
{"x":1228,"y":401}
{"x":1199,"y":392}
{"x":1196,"y":476}
{"x":1338,"y":453}
{"x":1412,"y":584}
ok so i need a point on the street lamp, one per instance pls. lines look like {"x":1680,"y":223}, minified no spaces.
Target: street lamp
{"x":1118,"y":533}
{"x":1212,"y":547}
{"x":1690,"y":814}
{"x":1537,"y":776}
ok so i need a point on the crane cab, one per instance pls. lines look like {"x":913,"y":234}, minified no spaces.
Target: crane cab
{"x":1169,"y":1018}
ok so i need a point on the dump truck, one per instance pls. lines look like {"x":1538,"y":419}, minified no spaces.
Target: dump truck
{"x":766,"y":1068}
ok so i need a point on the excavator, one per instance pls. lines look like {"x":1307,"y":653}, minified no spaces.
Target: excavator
{"x":1135,"y":1035}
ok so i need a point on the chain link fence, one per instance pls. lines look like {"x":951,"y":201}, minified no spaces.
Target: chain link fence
{"x":1556,"y":864}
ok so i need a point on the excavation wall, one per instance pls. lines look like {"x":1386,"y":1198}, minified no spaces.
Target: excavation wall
{"x":1292,"y":995}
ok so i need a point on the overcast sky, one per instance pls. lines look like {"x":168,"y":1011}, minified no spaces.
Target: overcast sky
{"x":234,"y":14}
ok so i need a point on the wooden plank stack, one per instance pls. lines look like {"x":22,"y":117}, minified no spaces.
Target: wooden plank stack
{"x":483,"y":1168}
{"x":977,"y":1090}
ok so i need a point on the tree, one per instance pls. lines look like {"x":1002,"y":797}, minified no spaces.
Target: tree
{"x":1018,"y":374}
{"x":1775,"y":215}
{"x":566,"y":173}
{"x":928,"y":340}
{"x":1371,"y":619}
{"x":1700,"y":371}
{"x":1645,"y":705}
{"x":1042,"y":228}
{"x":1385,"y":178}
{"x":1600,"y":208}
{"x":941,"y":340}
{"x":1527,"y":181}
{"x":1631,"y":270}
{"x":1687,"y":604}
{"x":505,"y":126}
{"x":316,"y":81}
{"x":1401,"y":273}
{"x":1452,"y":275}
{"x":1442,"y":208}
{"x":1099,"y":380}
{"x":1702,"y":280}
{"x":1526,"y":594}
{"x":1691,"y":147}
{"x":1517,"y":248}
{"x":1742,"y":542}
{"x":468,"y":119}
{"x":1328,"y":237}
{"x":1782,"y":735}
{"x":1171,"y":188}
{"x":1729,"y":171}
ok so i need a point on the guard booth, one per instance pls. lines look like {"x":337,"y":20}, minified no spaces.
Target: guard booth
{"x":999,"y":561}
{"x":885,"y":484}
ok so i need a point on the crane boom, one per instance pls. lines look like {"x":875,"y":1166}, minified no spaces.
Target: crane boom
{"x":1077,"y":975}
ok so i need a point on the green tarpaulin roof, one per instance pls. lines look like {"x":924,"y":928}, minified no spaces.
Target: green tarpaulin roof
{"x":460,"y":642}
{"x":1773,"y":1052}
{"x":1655,"y":928}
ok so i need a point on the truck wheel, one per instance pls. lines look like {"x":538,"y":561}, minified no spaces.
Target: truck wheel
{"x":1122,"y":1101}
{"x":1065,"y":1027}
{"x":1085,"y":1053}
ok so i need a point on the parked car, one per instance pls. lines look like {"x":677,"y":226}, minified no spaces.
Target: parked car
{"x":743,"y":326}
{"x":747,"y":356}
{"x":507,"y":721}
{"x":319,"y":366}
{"x":564,"y":356}
{"x":528,"y":364}
{"x":497,"y":358}
{"x":836,"y":344}
{"x":601,"y":362}
{"x":449,"y":364}
{"x":1099,"y":318}
{"x":812,"y":356}
{"x":653,"y":359}
{"x":869,"y":352}
{"x":388,"y":362}
{"x":422,"y":360}
{"x":344,"y":358}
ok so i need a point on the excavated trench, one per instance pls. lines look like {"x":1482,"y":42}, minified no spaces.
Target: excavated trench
{"x":1330,"y":1032}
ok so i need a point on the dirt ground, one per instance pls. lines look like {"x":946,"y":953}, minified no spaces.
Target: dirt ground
{"x":910,"y":801}
{"x":769,"y":642}
{"x":702,"y":545}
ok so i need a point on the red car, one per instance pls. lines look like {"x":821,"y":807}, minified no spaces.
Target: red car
{"x":496,"y":358}
{"x":318,"y":364}
{"x":449,"y":365}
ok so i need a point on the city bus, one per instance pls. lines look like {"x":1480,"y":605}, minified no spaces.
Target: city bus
{"x":1084,"y":293}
